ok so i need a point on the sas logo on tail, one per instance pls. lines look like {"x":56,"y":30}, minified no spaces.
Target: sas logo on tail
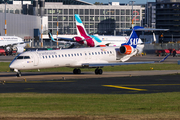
{"x":133,"y":41}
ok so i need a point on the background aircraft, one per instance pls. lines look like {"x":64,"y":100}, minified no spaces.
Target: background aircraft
{"x":95,"y":40}
{"x":8,"y":42}
{"x":96,"y":57}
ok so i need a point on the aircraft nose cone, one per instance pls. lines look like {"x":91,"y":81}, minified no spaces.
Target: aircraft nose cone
{"x":12,"y":66}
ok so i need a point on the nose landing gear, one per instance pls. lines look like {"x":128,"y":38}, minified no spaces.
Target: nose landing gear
{"x":18,"y":74}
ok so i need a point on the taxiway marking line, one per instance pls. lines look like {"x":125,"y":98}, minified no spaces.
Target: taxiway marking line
{"x":37,"y":81}
{"x":125,"y":87}
{"x":155,"y":85}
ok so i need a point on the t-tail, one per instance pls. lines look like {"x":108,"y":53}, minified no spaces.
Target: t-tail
{"x":130,"y":46}
{"x":81,"y":31}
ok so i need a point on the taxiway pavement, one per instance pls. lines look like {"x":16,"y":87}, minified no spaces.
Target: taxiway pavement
{"x":105,"y":85}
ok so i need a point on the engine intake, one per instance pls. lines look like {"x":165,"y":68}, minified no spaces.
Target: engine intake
{"x":126,"y":49}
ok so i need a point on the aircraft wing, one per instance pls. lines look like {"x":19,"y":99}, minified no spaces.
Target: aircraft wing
{"x":91,"y":65}
{"x":147,"y":29}
{"x":65,"y":39}
{"x":151,"y":29}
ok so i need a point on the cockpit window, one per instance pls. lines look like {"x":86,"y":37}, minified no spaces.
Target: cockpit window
{"x":26,"y":57}
{"x":23,"y":57}
{"x":20,"y":57}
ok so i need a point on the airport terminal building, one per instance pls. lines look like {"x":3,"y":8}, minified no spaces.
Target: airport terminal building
{"x":107,"y":19}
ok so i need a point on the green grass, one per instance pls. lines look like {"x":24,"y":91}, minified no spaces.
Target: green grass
{"x":89,"y":104}
{"x":5,"y":67}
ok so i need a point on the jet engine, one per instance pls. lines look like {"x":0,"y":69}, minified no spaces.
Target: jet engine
{"x":126,"y":49}
{"x":77,"y":38}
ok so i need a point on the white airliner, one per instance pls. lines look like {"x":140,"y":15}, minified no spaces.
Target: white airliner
{"x":96,"y":40}
{"x":10,"y":41}
{"x":94,"y":57}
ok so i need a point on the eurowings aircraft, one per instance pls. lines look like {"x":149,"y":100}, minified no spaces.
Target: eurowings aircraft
{"x":96,"y":57}
{"x":9,"y":41}
{"x":95,"y":40}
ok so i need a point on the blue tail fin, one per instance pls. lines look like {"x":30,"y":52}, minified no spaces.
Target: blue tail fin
{"x":134,"y":37}
{"x":50,"y":36}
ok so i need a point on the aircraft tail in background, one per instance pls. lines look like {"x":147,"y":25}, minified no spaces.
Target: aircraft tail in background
{"x":81,"y":31}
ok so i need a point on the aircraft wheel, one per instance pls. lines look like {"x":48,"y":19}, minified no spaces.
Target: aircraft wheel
{"x":96,"y":71}
{"x":78,"y":71}
{"x":100,"y":71}
{"x":75,"y":71}
{"x":18,"y":74}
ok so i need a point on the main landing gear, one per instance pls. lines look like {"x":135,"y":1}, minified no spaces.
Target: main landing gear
{"x":98,"y":71}
{"x":77,"y":71}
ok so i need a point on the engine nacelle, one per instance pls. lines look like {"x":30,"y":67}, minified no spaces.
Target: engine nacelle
{"x":126,"y":49}
{"x":101,"y":46}
{"x":20,"y":49}
{"x":77,"y":38}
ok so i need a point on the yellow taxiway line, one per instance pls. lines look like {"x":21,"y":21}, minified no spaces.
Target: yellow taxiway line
{"x":125,"y":87}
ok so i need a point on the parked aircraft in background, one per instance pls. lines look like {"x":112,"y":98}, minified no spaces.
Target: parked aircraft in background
{"x":96,"y":40}
{"x":8,"y":42}
{"x":96,"y":57}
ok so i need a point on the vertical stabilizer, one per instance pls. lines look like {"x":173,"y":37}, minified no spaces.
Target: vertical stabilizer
{"x":81,"y":31}
{"x":134,"y":37}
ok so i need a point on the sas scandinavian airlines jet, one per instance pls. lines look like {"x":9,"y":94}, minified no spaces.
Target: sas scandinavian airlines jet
{"x":96,"y":57}
{"x":95,"y":40}
{"x":10,"y":41}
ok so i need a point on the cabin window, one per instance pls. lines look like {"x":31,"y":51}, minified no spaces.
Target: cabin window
{"x":49,"y":56}
{"x":77,"y":54}
{"x":56,"y":56}
{"x":72,"y":55}
{"x":62,"y":55}
{"x":104,"y":52}
{"x":69,"y":55}
{"x":65,"y":55}
{"x":85,"y":53}
{"x":46,"y":56}
{"x":89,"y":53}
{"x":59,"y":56}
{"x":107,"y":52}
{"x":43,"y":57}
{"x":81,"y":54}
{"x":101,"y":52}
{"x":92,"y":53}
{"x":96,"y":53}
{"x":52,"y":56}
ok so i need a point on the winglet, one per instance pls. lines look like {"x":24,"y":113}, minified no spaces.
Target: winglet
{"x":164,"y":58}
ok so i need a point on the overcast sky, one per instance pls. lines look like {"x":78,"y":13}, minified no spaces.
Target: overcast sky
{"x":121,"y":1}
